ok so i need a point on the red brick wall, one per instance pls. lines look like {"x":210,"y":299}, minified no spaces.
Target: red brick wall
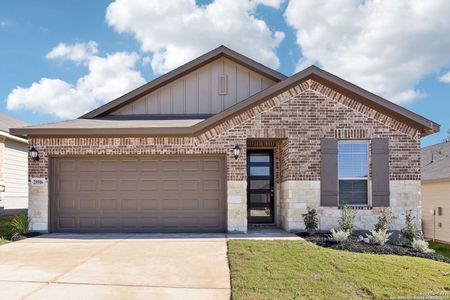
{"x":299,"y":117}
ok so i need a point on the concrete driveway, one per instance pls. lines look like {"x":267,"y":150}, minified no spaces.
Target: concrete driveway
{"x":115,"y":266}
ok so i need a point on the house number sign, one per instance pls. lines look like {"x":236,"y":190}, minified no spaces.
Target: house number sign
{"x":37,"y":181}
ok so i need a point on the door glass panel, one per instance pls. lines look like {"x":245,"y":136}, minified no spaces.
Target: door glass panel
{"x":259,"y":157}
{"x":259,"y":198}
{"x":259,"y":184}
{"x":260,"y":212}
{"x":259,"y":171}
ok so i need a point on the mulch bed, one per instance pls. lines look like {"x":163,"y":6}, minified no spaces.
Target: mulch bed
{"x":18,"y":237}
{"x":353,"y":244}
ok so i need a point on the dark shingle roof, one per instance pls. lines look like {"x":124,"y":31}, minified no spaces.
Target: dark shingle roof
{"x":435,"y":162}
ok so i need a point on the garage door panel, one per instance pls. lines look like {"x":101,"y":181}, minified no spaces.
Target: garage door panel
{"x":87,"y":204}
{"x":87,"y":185}
{"x":185,"y":194}
{"x":212,"y":165}
{"x":169,"y":165}
{"x":128,"y":184}
{"x":110,"y":204}
{"x":129,"y":204}
{"x":88,"y":166}
{"x":148,"y":184}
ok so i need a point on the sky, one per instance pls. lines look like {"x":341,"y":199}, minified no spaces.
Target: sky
{"x":60,"y":59}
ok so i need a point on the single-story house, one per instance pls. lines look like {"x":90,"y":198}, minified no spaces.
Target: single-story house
{"x":13,"y":167}
{"x":223,"y":142}
{"x":436,"y":192}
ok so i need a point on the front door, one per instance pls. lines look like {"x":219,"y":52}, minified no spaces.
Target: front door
{"x":260,"y":197}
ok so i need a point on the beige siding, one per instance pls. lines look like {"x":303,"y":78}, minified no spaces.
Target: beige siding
{"x":436,"y":195}
{"x":198,"y":92}
{"x":15,"y":174}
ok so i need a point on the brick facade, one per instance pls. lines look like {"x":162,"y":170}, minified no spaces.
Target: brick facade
{"x":292,"y":122}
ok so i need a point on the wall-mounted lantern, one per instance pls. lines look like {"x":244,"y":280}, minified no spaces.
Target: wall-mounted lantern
{"x":34,"y":154}
{"x":236,"y":151}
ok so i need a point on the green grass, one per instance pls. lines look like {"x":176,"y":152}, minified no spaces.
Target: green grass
{"x":301,"y":270}
{"x":5,"y":229}
{"x":440,"y":248}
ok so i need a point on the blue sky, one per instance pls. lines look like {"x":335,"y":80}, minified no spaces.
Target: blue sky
{"x":29,"y":30}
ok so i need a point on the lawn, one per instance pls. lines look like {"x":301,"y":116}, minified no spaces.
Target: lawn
{"x":440,"y":248}
{"x":301,"y":270}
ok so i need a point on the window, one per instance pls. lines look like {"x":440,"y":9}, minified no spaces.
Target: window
{"x":353,"y":170}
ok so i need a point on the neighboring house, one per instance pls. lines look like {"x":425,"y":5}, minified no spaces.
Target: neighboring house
{"x":436,"y":191}
{"x":13,"y":167}
{"x":223,"y":142}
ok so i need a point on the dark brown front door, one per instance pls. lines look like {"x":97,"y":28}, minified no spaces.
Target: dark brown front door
{"x":260,"y":197}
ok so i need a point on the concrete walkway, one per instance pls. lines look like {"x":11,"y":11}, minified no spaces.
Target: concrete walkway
{"x":116,"y":266}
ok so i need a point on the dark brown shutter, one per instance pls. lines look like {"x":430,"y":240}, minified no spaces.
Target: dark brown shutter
{"x":380,"y":172}
{"x":328,"y":172}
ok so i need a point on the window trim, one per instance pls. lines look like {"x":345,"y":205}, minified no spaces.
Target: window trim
{"x":367,"y":178}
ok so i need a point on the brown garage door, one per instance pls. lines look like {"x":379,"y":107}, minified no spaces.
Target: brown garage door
{"x":150,"y":194}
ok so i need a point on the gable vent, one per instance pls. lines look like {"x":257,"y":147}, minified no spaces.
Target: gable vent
{"x":223,"y":84}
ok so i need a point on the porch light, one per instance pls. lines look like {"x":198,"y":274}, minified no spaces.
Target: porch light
{"x":237,"y":151}
{"x":34,"y":154}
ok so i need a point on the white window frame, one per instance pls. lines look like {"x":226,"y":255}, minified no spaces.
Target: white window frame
{"x":369,"y":200}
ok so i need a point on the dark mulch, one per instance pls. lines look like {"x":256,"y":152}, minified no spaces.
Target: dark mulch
{"x":353,"y":244}
{"x":18,"y":237}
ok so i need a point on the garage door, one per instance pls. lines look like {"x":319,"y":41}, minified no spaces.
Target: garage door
{"x":175,"y":194}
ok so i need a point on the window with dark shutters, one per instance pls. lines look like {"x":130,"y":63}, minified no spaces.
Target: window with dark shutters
{"x":353,"y":172}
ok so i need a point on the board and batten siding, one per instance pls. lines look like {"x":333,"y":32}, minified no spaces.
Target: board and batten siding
{"x":15,"y":174}
{"x":207,"y":90}
{"x":434,"y":195}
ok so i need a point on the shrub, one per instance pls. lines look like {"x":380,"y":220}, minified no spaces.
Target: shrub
{"x":340,"y":235}
{"x":384,"y":220}
{"x":379,"y":237}
{"x":311,"y":221}
{"x":421,"y":246}
{"x":20,"y":224}
{"x":410,"y":232}
{"x":347,"y":219}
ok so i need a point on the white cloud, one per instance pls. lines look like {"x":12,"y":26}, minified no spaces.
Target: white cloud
{"x":445,"y":78}
{"x":79,"y":52}
{"x":176,"y":31}
{"x":384,"y":46}
{"x":108,"y":77}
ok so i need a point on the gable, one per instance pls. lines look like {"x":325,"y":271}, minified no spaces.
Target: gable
{"x":208,"y":90}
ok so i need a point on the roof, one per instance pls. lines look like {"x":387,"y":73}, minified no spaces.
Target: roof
{"x":110,"y":126}
{"x":7,"y":122}
{"x":425,"y":126}
{"x":435,"y":162}
{"x":195,"y":64}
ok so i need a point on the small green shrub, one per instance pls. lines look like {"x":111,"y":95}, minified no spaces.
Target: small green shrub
{"x":379,"y":237}
{"x":340,"y":235}
{"x":311,"y":221}
{"x":20,"y":224}
{"x":421,"y":246}
{"x":410,"y":232}
{"x":384,"y":220}
{"x":346,"y":222}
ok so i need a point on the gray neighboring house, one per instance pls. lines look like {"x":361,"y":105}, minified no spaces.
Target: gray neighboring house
{"x":13,"y":167}
{"x":436,"y":191}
